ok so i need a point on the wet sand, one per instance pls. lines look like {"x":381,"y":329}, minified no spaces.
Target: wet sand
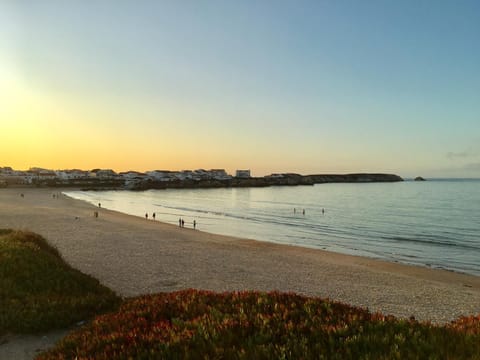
{"x":134,"y":256}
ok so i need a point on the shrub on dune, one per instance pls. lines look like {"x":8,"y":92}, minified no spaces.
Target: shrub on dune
{"x":194,"y":324}
{"x":40,"y":291}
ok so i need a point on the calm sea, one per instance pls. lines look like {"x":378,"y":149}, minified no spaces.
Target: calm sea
{"x":434,"y":223}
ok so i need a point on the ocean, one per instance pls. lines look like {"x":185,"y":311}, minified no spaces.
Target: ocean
{"x":435,"y":223}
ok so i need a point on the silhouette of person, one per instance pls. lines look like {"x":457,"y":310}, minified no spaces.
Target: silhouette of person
{"x":194,"y":224}
{"x":153,"y":215}
{"x":303,"y":212}
{"x":146,"y":215}
{"x":180,"y":222}
{"x":183,"y":223}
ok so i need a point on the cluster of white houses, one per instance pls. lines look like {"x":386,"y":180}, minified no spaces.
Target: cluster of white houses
{"x":39,"y":175}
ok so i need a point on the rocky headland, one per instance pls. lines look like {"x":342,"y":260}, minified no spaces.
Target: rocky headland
{"x":277,"y":180}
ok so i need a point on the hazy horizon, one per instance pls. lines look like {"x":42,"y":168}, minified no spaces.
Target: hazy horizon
{"x":306,"y":87}
{"x":405,"y":177}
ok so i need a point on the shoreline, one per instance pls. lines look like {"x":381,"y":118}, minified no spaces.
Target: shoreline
{"x":327,"y":240}
{"x":135,"y":256}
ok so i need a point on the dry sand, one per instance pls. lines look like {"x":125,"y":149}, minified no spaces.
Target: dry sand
{"x":135,"y":256}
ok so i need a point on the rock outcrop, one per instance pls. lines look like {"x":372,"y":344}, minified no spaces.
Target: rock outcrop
{"x":278,"y":180}
{"x":354,"y":178}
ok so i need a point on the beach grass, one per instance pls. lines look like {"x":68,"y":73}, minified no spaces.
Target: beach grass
{"x":193,"y":324}
{"x":39,"y":291}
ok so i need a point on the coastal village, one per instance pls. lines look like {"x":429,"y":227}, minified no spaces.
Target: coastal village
{"x":74,"y":177}
{"x":163,"y":179}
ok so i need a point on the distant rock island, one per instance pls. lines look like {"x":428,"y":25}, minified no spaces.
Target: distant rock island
{"x":102,"y":179}
{"x":419,"y":178}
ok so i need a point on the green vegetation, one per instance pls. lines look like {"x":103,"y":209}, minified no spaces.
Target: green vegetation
{"x":194,"y":324}
{"x":39,"y":291}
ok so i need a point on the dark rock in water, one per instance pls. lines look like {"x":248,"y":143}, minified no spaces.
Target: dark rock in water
{"x":419,"y":178}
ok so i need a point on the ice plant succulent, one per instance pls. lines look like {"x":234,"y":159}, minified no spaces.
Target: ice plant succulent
{"x":194,"y":324}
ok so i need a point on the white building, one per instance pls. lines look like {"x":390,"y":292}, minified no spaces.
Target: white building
{"x":277,"y":176}
{"x":160,"y":175}
{"x":184,"y":175}
{"x":130,"y":175}
{"x":201,"y":174}
{"x":103,"y":173}
{"x":242,"y":174}
{"x":6,"y":171}
{"x":72,"y":174}
{"x":40,"y":174}
{"x":10,"y":176}
{"x":219,"y":174}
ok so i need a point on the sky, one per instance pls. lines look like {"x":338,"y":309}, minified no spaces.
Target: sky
{"x":272,"y":86}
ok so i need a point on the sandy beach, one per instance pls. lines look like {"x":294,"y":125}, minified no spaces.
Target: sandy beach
{"x":134,"y":256}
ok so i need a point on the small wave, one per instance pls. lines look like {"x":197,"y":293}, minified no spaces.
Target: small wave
{"x":430,"y":242}
{"x":218,"y":213}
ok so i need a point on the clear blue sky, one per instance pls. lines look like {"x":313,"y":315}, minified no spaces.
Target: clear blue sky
{"x":304,"y":86}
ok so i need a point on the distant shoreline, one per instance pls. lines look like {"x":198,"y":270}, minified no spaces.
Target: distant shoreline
{"x":286,"y":179}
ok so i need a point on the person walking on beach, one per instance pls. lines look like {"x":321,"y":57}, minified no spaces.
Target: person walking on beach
{"x":179,"y":222}
{"x":153,"y":215}
{"x":194,"y":224}
{"x":99,"y":205}
{"x":183,"y":223}
{"x":146,"y":216}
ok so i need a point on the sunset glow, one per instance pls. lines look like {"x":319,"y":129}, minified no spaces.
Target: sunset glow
{"x":309,"y":87}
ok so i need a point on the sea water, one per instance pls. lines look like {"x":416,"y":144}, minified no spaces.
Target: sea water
{"x":433,"y":223}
